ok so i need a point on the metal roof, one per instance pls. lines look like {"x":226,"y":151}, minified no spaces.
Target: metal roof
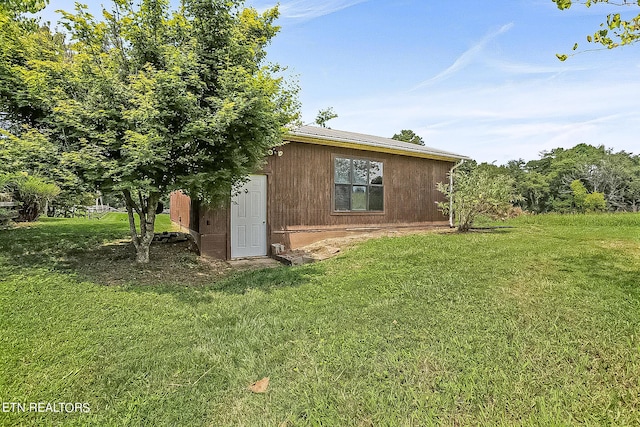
{"x":339,"y":138}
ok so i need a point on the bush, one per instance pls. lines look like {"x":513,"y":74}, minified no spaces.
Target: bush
{"x":34,"y":193}
{"x":585,"y":201}
{"x":595,"y":202}
{"x":478,"y":192}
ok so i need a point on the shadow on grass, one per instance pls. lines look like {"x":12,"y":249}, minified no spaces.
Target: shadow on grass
{"x":270,"y":279}
{"x":45,"y":244}
{"x":48,"y":242}
{"x":490,"y":230}
{"x":101,"y":253}
{"x":601,"y":268}
{"x":236,"y":283}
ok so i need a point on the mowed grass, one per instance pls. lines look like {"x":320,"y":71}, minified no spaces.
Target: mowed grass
{"x":533,"y":325}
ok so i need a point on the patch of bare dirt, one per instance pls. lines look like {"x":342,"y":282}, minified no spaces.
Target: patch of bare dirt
{"x":176,"y":263}
{"x":329,"y":248}
{"x":170,"y":263}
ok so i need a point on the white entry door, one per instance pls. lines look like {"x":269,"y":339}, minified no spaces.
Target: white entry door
{"x":249,"y":219}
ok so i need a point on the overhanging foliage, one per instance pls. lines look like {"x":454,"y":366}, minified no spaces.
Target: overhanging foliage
{"x":148,"y":99}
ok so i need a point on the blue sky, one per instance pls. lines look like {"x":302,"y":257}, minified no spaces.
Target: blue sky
{"x":476,"y":78}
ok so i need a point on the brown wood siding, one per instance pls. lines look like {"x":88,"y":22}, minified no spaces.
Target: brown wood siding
{"x":214,"y":232}
{"x":301,"y":186}
{"x":299,"y":199}
{"x":180,"y":209}
{"x":210,"y":232}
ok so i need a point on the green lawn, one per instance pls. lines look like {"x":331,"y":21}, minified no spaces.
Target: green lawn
{"x":533,"y":325}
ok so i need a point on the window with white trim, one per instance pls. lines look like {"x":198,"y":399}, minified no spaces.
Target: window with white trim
{"x":358,"y":185}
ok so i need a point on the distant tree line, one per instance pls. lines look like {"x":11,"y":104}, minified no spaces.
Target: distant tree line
{"x":579,"y":179}
{"x":584,"y":178}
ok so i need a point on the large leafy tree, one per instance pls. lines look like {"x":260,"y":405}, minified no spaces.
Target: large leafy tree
{"x":28,"y":53}
{"x":32,"y":70}
{"x":407,"y":135}
{"x":153,"y":99}
{"x":560,"y":167}
{"x":324,"y":116}
{"x":533,"y":186}
{"x":621,"y":28}
{"x":18,"y":6}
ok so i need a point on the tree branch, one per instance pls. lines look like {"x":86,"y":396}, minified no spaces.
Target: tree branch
{"x":143,"y":214}
{"x":129,"y":201}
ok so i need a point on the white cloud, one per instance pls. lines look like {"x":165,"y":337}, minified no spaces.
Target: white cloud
{"x":524,"y":68}
{"x":308,"y":9}
{"x":467,"y":57}
{"x":506,"y":121}
{"x":502,"y":104}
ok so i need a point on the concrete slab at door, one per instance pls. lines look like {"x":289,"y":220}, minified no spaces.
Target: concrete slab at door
{"x":249,"y":219}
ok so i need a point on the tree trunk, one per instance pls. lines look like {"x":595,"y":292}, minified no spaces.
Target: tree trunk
{"x":145,"y":208}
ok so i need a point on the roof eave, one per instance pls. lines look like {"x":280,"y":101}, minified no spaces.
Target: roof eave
{"x":366,"y":147}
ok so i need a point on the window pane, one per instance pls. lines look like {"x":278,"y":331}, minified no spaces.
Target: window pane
{"x":342,"y":174}
{"x":375,"y":173}
{"x":360,"y":170}
{"x":359,"y":198}
{"x":376,"y":198}
{"x":342,"y":196}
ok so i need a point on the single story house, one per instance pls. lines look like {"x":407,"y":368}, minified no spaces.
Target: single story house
{"x":322,"y":183}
